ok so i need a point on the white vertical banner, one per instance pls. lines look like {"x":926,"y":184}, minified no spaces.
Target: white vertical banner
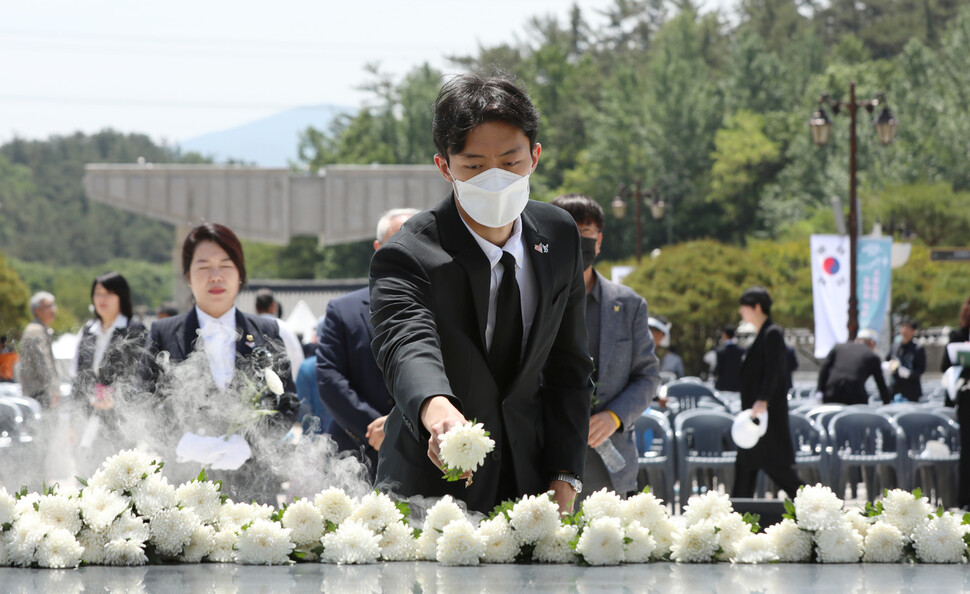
{"x":830,"y":291}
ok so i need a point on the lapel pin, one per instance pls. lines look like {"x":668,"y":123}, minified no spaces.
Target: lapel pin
{"x":250,"y":342}
{"x":616,"y":307}
{"x":542,"y":248}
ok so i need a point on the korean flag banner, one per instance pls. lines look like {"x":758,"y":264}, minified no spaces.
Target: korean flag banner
{"x":830,"y":291}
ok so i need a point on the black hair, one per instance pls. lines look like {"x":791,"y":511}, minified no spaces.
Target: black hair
{"x":221,"y":236}
{"x":114,"y":283}
{"x":757,"y":296}
{"x":264,"y":300}
{"x":468,"y":101}
{"x":909,"y":322}
{"x":582,"y":208}
{"x":729,"y":330}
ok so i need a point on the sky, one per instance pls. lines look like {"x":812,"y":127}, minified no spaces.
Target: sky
{"x":181,"y":68}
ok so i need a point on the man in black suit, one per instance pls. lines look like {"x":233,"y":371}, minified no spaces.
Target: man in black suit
{"x":728,"y":367}
{"x":907,"y":362}
{"x":478,"y":309}
{"x":843,"y":375}
{"x":350,"y":382}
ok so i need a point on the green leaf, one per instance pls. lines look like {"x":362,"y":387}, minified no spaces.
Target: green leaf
{"x":404,"y":508}
{"x":939,"y":512}
{"x":753,"y":521}
{"x":917,"y":493}
{"x":81,"y":480}
{"x":789,"y":510}
{"x":297,"y":554}
{"x":201,"y":478}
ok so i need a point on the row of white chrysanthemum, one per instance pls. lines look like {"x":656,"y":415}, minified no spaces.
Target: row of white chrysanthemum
{"x":128,"y":514}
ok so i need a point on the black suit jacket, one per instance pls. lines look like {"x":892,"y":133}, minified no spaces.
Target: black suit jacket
{"x":764,"y":372}
{"x":429,"y":303}
{"x":177,"y":336}
{"x":119,"y":362}
{"x":842,"y":377}
{"x":350,"y":382}
{"x":728,"y":369}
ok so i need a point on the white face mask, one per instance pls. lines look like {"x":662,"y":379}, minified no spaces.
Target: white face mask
{"x":493,"y":198}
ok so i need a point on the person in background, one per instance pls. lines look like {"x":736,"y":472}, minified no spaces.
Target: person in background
{"x":350,"y":384}
{"x":727,"y":369}
{"x":237,"y":348}
{"x":762,"y":376}
{"x":267,"y":307}
{"x":38,"y":372}
{"x":842,"y":378}
{"x":108,"y":350}
{"x":625,"y":369}
{"x":907,"y":362}
{"x":166,"y":310}
{"x":660,"y":329}
{"x":959,"y":334}
{"x":962,"y":404}
{"x":792,"y":360}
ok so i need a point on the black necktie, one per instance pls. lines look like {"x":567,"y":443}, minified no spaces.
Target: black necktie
{"x":503,"y":357}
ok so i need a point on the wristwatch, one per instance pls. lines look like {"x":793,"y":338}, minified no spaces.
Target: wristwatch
{"x":571,"y":479}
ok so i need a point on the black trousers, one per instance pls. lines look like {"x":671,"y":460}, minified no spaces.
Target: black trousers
{"x":746,"y":469}
{"x":963,"y":474}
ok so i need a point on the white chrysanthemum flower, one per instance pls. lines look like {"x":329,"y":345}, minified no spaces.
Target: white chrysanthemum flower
{"x":172,"y":529}
{"x":376,"y":511}
{"x":555,"y":548}
{"x":905,"y":511}
{"x":25,"y":505}
{"x":152,"y":495}
{"x":501,"y":545}
{"x":125,"y":552}
{"x":601,"y":542}
{"x":640,"y":544}
{"x":58,"y":511}
{"x":534,"y":517}
{"x":234,"y":516}
{"x":940,"y":540}
{"x":24,"y":537}
{"x":709,"y":506}
{"x":645,"y":508}
{"x":351,"y":543}
{"x":732,"y":529}
{"x":859,"y":522}
{"x":697,"y":543}
{"x":273,"y":381}
{"x":4,"y":558}
{"x":602,"y":504}
{"x":838,"y":543}
{"x":663,"y":534}
{"x":817,"y":508}
{"x":93,"y":543}
{"x":754,"y":548}
{"x":223,"y":542}
{"x":464,"y":447}
{"x":790,"y":543}
{"x":264,"y":543}
{"x":203,"y":498}
{"x":442,"y":513}
{"x":305,"y":521}
{"x":397,"y":543}
{"x":127,"y":468}
{"x":8,"y":508}
{"x":883,"y":543}
{"x":100,"y":507}
{"x":426,"y":545}
{"x":128,"y":526}
{"x":460,"y":544}
{"x":203,"y":540}
{"x":59,"y":549}
{"x":335,"y":505}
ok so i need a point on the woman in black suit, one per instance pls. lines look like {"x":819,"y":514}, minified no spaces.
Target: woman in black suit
{"x":208,"y":366}
{"x":108,"y":349}
{"x":962,"y":404}
{"x":764,"y":389}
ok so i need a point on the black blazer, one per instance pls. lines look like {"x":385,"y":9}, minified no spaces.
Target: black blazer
{"x":728,"y":369}
{"x":842,"y":377}
{"x":350,"y":382}
{"x":764,"y":371}
{"x":177,"y":336}
{"x":429,"y":303}
{"x":118,"y":363}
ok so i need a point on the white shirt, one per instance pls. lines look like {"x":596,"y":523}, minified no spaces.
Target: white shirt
{"x":294,"y":350}
{"x":524,"y":276}
{"x":102,"y":338}
{"x":219,"y":337}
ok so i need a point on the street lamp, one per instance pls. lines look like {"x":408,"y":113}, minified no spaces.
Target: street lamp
{"x":821,"y":127}
{"x":618,"y":206}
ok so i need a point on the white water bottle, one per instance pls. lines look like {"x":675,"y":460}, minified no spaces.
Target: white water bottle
{"x":611,"y":456}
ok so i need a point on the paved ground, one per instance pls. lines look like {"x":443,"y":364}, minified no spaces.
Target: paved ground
{"x":666,"y":578}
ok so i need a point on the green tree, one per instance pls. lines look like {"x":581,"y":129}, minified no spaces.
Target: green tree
{"x":934,"y":213}
{"x":14,"y":301}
